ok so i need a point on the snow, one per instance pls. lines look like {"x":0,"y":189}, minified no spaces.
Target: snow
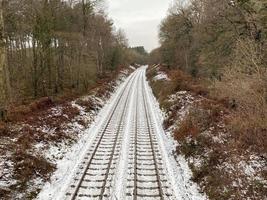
{"x":6,"y":171}
{"x":161,"y":76}
{"x":122,"y":165}
{"x":179,"y":171}
{"x":185,"y":101}
{"x":56,"y":151}
{"x":245,"y":171}
{"x":66,"y":167}
{"x":183,"y":96}
{"x":57,"y":111}
{"x":132,"y":67}
{"x":252,"y":167}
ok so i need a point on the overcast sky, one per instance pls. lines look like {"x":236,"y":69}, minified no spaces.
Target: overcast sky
{"x":139,"y":19}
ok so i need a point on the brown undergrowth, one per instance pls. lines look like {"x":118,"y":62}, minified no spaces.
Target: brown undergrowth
{"x":47,"y":121}
{"x":226,"y":162}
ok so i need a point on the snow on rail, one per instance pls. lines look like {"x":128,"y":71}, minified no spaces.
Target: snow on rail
{"x":125,"y":155}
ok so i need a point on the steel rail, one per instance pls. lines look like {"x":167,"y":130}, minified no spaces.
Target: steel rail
{"x":135,"y":146}
{"x":161,"y":193}
{"x":115,"y":144}
{"x":78,"y":186}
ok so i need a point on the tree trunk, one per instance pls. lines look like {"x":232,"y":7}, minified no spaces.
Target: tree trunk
{"x":4,"y":75}
{"x":100,"y":56}
{"x":61,"y":64}
{"x":35,"y":66}
{"x":84,"y":4}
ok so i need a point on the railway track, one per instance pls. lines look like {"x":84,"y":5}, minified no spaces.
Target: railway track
{"x":146,"y":174}
{"x":95,"y":174}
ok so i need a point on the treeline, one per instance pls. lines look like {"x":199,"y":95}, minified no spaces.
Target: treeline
{"x":140,"y":54}
{"x":49,"y":47}
{"x":201,"y":36}
{"x":224,"y":42}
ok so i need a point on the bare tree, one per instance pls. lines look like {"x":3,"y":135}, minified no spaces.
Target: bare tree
{"x":4,"y":76}
{"x":55,"y":46}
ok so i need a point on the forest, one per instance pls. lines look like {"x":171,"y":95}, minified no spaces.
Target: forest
{"x":214,"y":55}
{"x":50,"y":48}
{"x":73,"y":85}
{"x":224,"y":43}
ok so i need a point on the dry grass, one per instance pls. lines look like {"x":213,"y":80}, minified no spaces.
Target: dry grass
{"x":216,"y":181}
{"x":244,"y":129}
{"x":21,"y":133}
{"x":187,"y":128}
{"x":244,"y":83}
{"x":102,"y":85}
{"x":203,"y":115}
{"x":87,"y":104}
{"x":28,"y":166}
{"x":184,"y":82}
{"x":18,"y":113}
{"x":179,"y":81}
{"x":4,"y":129}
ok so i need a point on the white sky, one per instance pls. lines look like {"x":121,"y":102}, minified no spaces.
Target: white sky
{"x":139,"y":19}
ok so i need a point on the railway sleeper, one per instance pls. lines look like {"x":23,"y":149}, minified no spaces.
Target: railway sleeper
{"x":147,"y":181}
{"x":146,"y":164}
{"x":147,"y":175}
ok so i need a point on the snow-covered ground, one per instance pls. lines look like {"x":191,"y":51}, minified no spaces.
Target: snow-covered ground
{"x":212,"y":151}
{"x":161,"y":76}
{"x":177,"y":171}
{"x":66,"y":167}
{"x":52,"y":136}
{"x":180,"y":172}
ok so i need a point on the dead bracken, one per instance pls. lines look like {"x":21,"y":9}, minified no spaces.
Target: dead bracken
{"x":223,"y":162}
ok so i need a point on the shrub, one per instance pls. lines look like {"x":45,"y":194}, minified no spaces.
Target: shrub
{"x":87,"y":104}
{"x":244,"y":82}
{"x":187,"y":128}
